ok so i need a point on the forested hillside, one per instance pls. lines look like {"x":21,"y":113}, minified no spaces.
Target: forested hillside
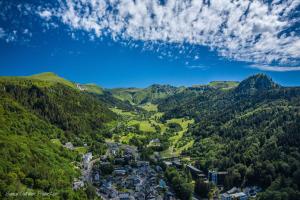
{"x":252,"y":131}
{"x":37,"y":115}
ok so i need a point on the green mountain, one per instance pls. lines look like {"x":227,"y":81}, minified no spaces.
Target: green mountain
{"x":256,"y":83}
{"x":37,"y":115}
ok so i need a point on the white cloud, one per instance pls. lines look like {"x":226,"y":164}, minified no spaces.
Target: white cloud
{"x":46,"y":14}
{"x":250,"y":31}
{"x":275,"y":68}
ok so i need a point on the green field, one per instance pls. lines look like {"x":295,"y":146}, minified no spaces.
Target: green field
{"x":123,"y":113}
{"x":144,"y":126}
{"x":174,"y":140}
{"x":150,"y":107}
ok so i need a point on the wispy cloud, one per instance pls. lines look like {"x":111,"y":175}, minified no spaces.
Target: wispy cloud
{"x":275,"y":68}
{"x":251,"y":31}
{"x":45,"y":14}
{"x":201,"y":67}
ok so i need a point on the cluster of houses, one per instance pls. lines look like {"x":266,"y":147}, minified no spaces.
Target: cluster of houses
{"x":238,"y":194}
{"x":131,"y":178}
{"x":217,"y":178}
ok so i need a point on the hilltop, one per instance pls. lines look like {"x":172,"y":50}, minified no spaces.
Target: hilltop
{"x":51,"y":78}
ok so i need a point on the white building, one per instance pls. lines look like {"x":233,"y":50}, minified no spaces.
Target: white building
{"x":86,"y":159}
{"x":234,"y":194}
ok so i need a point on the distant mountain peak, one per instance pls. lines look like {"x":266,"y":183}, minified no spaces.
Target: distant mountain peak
{"x":257,"y":82}
{"x":52,"y":77}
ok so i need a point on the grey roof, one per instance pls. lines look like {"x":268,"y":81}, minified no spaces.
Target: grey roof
{"x":194,"y":169}
{"x":239,"y":194}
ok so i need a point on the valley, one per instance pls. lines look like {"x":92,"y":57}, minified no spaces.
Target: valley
{"x":223,"y":140}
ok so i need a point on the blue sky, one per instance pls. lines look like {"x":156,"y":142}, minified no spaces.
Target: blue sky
{"x":36,"y":37}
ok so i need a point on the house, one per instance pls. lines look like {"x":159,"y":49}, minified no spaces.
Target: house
{"x":133,"y":181}
{"x":69,"y":145}
{"x":120,"y":172}
{"x":104,"y":163}
{"x":252,"y":191}
{"x":124,"y":196}
{"x":113,"y":148}
{"x":106,"y":184}
{"x":162,"y":184}
{"x":195,"y":172}
{"x":104,"y":190}
{"x":168,"y":163}
{"x":226,"y":196}
{"x":239,"y":196}
{"x":158,"y":169}
{"x":77,"y":185}
{"x":128,"y":157}
{"x":112,"y":194}
{"x":96,"y":176}
{"x":86,"y":159}
{"x":139,"y":195}
{"x":202,"y":176}
{"x":142,"y":163}
{"x":119,"y":161}
{"x":177,"y":164}
{"x":128,"y":168}
{"x":154,"y":142}
{"x":217,"y":178}
{"x":234,"y":194}
{"x":233,"y":190}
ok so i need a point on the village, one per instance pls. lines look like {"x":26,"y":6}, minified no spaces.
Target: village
{"x":121,"y":174}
